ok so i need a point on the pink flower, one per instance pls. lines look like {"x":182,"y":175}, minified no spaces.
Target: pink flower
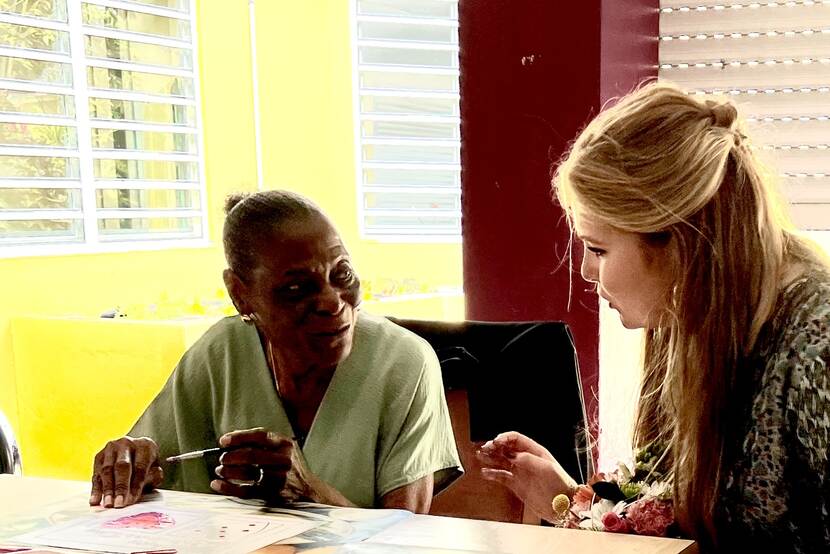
{"x":597,"y":477}
{"x":613,"y":523}
{"x":583,"y":497}
{"x":650,"y":516}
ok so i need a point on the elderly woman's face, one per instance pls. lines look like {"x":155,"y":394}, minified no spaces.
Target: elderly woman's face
{"x":304,"y":293}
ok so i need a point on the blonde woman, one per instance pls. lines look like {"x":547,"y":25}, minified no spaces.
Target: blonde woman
{"x":685,"y":236}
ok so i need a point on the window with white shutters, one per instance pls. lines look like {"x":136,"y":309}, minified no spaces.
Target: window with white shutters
{"x":407,"y":113}
{"x":99,"y":126}
{"x":773,"y":59}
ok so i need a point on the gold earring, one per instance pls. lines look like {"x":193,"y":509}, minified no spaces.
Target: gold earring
{"x":248,"y":319}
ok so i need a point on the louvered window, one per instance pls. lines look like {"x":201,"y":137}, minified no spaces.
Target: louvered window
{"x":773,"y":58}
{"x":407,"y":115}
{"x":99,"y":126}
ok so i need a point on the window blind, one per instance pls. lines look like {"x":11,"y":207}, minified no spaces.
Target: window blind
{"x":99,"y":125}
{"x":773,"y":59}
{"x":407,"y":114}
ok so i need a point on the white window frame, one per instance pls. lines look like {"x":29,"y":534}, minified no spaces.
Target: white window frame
{"x":80,"y":90}
{"x":414,"y":236}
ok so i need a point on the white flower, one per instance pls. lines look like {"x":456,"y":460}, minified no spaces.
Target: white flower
{"x":592,"y":519}
{"x":620,"y":507}
{"x":659,"y":489}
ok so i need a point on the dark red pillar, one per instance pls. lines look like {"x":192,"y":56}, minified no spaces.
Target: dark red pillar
{"x":533,"y":72}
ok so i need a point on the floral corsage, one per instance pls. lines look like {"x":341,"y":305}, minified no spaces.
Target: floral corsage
{"x":624,"y":501}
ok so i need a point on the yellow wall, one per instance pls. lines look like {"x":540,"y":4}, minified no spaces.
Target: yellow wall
{"x":304,"y":56}
{"x":91,"y":392}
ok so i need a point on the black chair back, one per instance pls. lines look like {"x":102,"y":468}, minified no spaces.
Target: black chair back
{"x":519,"y":376}
{"x":9,"y":451}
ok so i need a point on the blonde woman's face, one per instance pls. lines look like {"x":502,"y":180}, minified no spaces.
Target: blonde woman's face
{"x":632,"y":276}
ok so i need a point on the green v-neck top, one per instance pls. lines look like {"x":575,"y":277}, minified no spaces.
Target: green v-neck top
{"x":383,"y":422}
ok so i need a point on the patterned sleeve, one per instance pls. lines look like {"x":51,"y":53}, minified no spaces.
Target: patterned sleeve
{"x":808,"y":417}
{"x":809,"y":401}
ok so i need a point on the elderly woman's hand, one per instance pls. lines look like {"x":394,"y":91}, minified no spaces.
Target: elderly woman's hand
{"x":526,"y":468}
{"x":263,"y":464}
{"x":124,"y":469}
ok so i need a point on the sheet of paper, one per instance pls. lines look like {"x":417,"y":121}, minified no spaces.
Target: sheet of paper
{"x":152,"y":526}
{"x":339,"y":525}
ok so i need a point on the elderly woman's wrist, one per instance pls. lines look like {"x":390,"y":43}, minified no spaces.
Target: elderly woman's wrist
{"x":310,"y":490}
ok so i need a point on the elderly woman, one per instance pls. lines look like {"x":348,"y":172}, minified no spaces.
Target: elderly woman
{"x":314,"y":399}
{"x":685,"y":236}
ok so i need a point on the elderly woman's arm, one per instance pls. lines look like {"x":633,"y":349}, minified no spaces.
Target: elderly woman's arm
{"x":286,"y":475}
{"x":415,"y":497}
{"x":422,"y":458}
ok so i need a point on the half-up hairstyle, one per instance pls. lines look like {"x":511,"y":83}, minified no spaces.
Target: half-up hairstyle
{"x":255,"y":217}
{"x":664,"y":163}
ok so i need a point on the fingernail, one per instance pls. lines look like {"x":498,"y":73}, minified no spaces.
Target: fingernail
{"x":214,"y":485}
{"x":119,"y":501}
{"x":224,"y":440}
{"x":108,"y":501}
{"x":218,"y":471}
{"x":94,"y":499}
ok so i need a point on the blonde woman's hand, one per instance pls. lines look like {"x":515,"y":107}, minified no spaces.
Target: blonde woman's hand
{"x":123,"y":470}
{"x":511,"y":443}
{"x":526,"y":468}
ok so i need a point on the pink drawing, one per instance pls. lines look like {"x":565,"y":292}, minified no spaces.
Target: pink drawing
{"x":144,"y":520}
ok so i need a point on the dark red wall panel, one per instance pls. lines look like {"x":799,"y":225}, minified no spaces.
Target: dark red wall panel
{"x":533,"y":72}
{"x":629,"y":45}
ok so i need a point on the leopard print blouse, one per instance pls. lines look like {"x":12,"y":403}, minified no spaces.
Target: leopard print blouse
{"x":777,"y":493}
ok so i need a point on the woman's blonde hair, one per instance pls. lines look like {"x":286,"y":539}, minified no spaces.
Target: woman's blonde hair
{"x":662,"y":163}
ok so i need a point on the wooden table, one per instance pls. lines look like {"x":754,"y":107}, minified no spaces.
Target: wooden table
{"x":32,"y":496}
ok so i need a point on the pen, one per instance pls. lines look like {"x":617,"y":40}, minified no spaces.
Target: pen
{"x":199,"y":454}
{"x":206,"y":452}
